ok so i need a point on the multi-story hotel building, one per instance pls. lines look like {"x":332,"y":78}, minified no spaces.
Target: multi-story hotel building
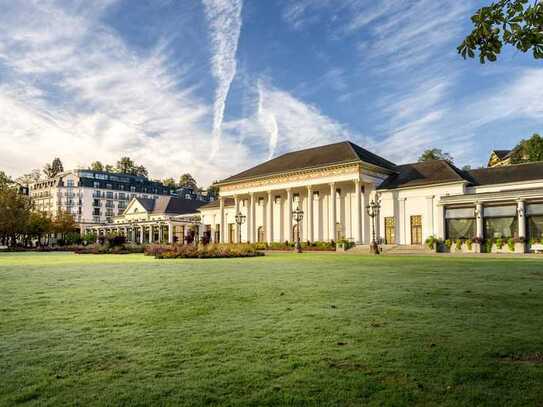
{"x":92,"y":197}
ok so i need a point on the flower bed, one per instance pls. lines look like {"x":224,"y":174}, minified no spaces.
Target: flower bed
{"x":317,"y":246}
{"x":179,"y":251}
{"x":107,"y":249}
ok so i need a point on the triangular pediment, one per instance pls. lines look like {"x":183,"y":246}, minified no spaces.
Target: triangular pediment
{"x":135,"y":207}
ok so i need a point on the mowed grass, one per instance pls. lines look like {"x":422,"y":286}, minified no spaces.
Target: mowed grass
{"x":279,"y":330}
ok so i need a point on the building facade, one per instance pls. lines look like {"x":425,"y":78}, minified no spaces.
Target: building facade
{"x":334,"y":184}
{"x":92,"y":197}
{"x":166,"y":219}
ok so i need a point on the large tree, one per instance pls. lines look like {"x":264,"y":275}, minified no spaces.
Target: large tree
{"x":96,"y":166}
{"x":435,"y":154}
{"x":169,"y":182}
{"x":127,"y":166}
{"x":53,"y":169}
{"x":30,"y":178}
{"x":528,"y":150}
{"x":518,"y":23}
{"x":15,"y":209}
{"x":5,"y":180}
{"x":64,"y":223}
{"x":188,"y":181}
{"x":213,"y":191}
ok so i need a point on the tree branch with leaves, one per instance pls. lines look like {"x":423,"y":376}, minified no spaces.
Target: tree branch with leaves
{"x":518,"y":23}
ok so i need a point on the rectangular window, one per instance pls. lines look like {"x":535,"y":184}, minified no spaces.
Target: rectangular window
{"x":109,"y":195}
{"x":535,"y":227}
{"x":109,"y":186}
{"x":96,"y":184}
{"x":96,"y":211}
{"x":460,"y":228}
{"x":500,"y":222}
{"x":534,"y":215}
{"x":460,"y":223}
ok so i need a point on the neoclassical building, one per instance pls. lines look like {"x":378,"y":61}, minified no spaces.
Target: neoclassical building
{"x":166,"y":219}
{"x":333,"y":184}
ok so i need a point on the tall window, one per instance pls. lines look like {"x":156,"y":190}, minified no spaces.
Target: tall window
{"x":390,"y":230}
{"x":534,"y":217}
{"x":501,"y":222}
{"x":460,"y":223}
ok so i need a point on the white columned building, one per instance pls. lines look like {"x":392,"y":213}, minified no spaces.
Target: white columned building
{"x":334,"y":184}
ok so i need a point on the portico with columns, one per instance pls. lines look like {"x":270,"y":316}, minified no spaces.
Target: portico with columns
{"x":332,"y":192}
{"x":166,"y":220}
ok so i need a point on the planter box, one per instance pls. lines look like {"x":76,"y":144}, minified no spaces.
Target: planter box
{"x":504,"y":250}
{"x":475,"y":248}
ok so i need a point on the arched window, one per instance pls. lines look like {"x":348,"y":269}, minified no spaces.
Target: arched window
{"x":260,"y":233}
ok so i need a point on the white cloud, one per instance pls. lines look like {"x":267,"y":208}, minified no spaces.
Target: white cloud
{"x":224,"y":18}
{"x":72,"y":88}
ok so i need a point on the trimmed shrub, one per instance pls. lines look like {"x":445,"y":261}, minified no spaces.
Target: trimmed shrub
{"x":178,"y":251}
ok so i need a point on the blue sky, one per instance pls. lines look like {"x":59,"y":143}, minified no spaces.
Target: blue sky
{"x":212,"y":87}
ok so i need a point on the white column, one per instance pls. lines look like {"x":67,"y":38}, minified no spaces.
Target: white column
{"x":150,"y":233}
{"x":222,"y":227}
{"x":429,"y":221}
{"x":237,"y":227}
{"x":170,"y":233}
{"x":142,"y":236}
{"x":403,"y":223}
{"x":480,"y":216}
{"x":249,"y":218}
{"x":521,"y":219}
{"x":357,"y":219}
{"x":288,"y":234}
{"x":160,"y":233}
{"x":269,"y":218}
{"x":332,"y":211}
{"x":310,"y":213}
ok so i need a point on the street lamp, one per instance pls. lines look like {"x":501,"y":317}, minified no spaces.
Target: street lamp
{"x":373,"y":212}
{"x":240,"y":220}
{"x":298,"y":215}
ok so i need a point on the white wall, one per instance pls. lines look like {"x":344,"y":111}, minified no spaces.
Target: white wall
{"x":424,"y":201}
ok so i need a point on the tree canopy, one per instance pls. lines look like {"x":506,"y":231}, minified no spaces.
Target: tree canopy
{"x":518,"y":23}
{"x":528,"y":150}
{"x":96,"y":166}
{"x":188,"y":181}
{"x":53,"y":169}
{"x":5,"y":180}
{"x":435,"y":154}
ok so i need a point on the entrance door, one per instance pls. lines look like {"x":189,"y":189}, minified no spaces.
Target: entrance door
{"x":416,"y":229}
{"x":390,"y":230}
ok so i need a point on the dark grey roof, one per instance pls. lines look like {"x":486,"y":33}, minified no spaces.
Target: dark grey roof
{"x":337,"y":153}
{"x":506,"y":174}
{"x":423,"y":173}
{"x":170,"y":205}
{"x":439,"y":172}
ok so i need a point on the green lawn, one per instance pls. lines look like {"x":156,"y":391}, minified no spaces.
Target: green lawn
{"x":282,"y":329}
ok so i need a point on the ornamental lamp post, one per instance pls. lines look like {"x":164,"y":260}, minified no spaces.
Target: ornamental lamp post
{"x":298,"y":215}
{"x":240,"y":220}
{"x":373,"y":212}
